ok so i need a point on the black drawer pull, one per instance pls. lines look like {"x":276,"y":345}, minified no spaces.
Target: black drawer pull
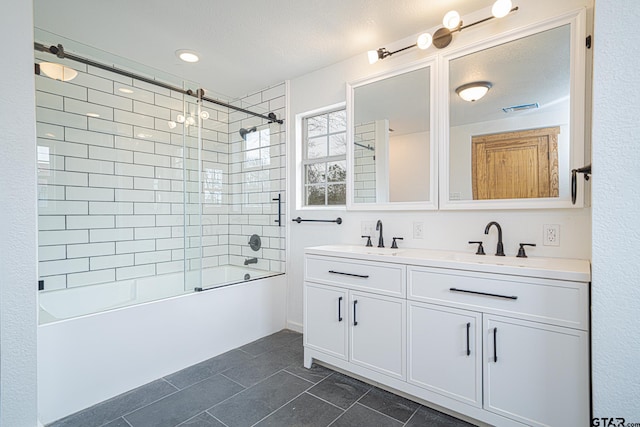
{"x":339,"y":309}
{"x":495,"y":345}
{"x":468,"y":348}
{"x":483,"y":293}
{"x":355,"y":322}
{"x":349,"y":274}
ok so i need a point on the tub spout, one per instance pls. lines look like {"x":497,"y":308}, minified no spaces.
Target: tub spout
{"x":250,"y":261}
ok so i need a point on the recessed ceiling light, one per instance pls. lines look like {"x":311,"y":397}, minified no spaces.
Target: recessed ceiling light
{"x":57,"y":71}
{"x":125,"y":90}
{"x":93,"y":114}
{"x":187,"y":55}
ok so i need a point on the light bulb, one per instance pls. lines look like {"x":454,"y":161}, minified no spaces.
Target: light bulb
{"x":501,"y":8}
{"x":180,"y":118}
{"x":204,"y":115}
{"x":424,"y":41}
{"x":191,"y":121}
{"x":172,"y":124}
{"x":451,"y":20}
{"x":373,"y":56}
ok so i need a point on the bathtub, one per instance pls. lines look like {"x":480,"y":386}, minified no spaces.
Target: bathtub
{"x":98,"y":341}
{"x":67,"y":303}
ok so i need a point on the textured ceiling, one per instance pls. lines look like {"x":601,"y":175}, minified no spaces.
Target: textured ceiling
{"x":245,"y":45}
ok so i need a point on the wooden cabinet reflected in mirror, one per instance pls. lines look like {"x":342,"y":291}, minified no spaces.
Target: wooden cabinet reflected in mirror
{"x":515,"y":165}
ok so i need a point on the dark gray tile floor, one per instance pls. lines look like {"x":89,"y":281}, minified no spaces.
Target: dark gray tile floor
{"x":260,"y":384}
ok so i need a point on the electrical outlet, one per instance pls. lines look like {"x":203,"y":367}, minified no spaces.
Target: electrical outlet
{"x":368,"y":228}
{"x":418,"y":230}
{"x":551,"y":235}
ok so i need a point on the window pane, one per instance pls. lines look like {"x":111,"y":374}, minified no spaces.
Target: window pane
{"x":252,"y":140}
{"x":336,"y":194}
{"x":338,"y":144}
{"x":252,"y":158}
{"x":315,"y":195}
{"x":315,"y":173}
{"x":317,"y":126}
{"x":338,"y":121}
{"x":337,"y":171}
{"x":317,"y":147}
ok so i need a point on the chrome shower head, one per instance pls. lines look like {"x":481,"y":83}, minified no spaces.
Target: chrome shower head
{"x":243,"y":132}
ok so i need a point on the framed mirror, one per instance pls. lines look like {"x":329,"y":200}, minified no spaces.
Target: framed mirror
{"x":513,"y":143}
{"x":392,"y":149}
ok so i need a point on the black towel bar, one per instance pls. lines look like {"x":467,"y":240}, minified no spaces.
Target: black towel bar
{"x":299,"y":220}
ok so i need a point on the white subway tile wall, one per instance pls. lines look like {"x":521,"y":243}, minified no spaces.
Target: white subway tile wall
{"x":119,"y":196}
{"x":364,"y":168}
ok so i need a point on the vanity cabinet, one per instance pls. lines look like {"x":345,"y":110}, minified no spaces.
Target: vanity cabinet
{"x":349,"y":315}
{"x":445,"y":351}
{"x":536,"y":373}
{"x":325,"y":318}
{"x":504,"y":344}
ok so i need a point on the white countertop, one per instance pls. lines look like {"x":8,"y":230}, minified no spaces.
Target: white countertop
{"x":576,"y":270}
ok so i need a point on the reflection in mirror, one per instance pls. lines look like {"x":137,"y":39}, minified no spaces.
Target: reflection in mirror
{"x":391,"y":139}
{"x":513,"y":143}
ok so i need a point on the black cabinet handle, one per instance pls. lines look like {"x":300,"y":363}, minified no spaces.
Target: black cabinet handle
{"x":468,"y":348}
{"x":355,"y":321}
{"x":483,"y":293}
{"x":495,"y":345}
{"x":339,"y":309}
{"x":349,"y":274}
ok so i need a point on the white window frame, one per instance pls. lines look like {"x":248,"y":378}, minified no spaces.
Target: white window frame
{"x":301,"y":156}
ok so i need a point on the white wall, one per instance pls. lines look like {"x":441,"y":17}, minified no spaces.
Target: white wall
{"x":18,"y":270}
{"x":616,"y":203}
{"x":408,"y":176}
{"x":443,"y":230}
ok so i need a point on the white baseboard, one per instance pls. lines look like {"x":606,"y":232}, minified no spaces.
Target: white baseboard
{"x":294,"y":326}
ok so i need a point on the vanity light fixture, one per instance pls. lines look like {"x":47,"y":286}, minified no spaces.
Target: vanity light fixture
{"x":443,"y":36}
{"x":56,"y":71}
{"x":471,"y":92}
{"x":187,"y":55}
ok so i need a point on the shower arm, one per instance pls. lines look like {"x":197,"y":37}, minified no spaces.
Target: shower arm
{"x":199,"y":93}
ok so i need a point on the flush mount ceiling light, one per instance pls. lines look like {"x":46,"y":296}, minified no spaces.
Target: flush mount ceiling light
{"x":471,"y":92}
{"x":125,"y":90}
{"x":187,"y":55}
{"x":57,"y":71}
{"x":443,"y":36}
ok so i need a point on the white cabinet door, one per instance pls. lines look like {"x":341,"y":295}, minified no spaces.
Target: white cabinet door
{"x":445,"y":351}
{"x":378,"y":326}
{"x":536,"y":374}
{"x":325,"y":319}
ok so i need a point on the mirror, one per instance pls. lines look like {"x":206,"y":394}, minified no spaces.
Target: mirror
{"x":391,"y":143}
{"x":514,"y":146}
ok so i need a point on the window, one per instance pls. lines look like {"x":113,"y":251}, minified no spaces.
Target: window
{"x":324,"y":158}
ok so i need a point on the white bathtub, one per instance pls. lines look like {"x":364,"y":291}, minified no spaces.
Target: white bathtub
{"x":87,"y":354}
{"x":79,"y":301}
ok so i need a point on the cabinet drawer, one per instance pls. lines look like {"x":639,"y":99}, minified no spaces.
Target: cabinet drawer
{"x":385,"y":279}
{"x":549,"y":301}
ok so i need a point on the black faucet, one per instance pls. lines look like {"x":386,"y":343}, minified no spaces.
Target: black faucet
{"x":500,"y":249}
{"x":250,"y":261}
{"x":380,"y":239}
